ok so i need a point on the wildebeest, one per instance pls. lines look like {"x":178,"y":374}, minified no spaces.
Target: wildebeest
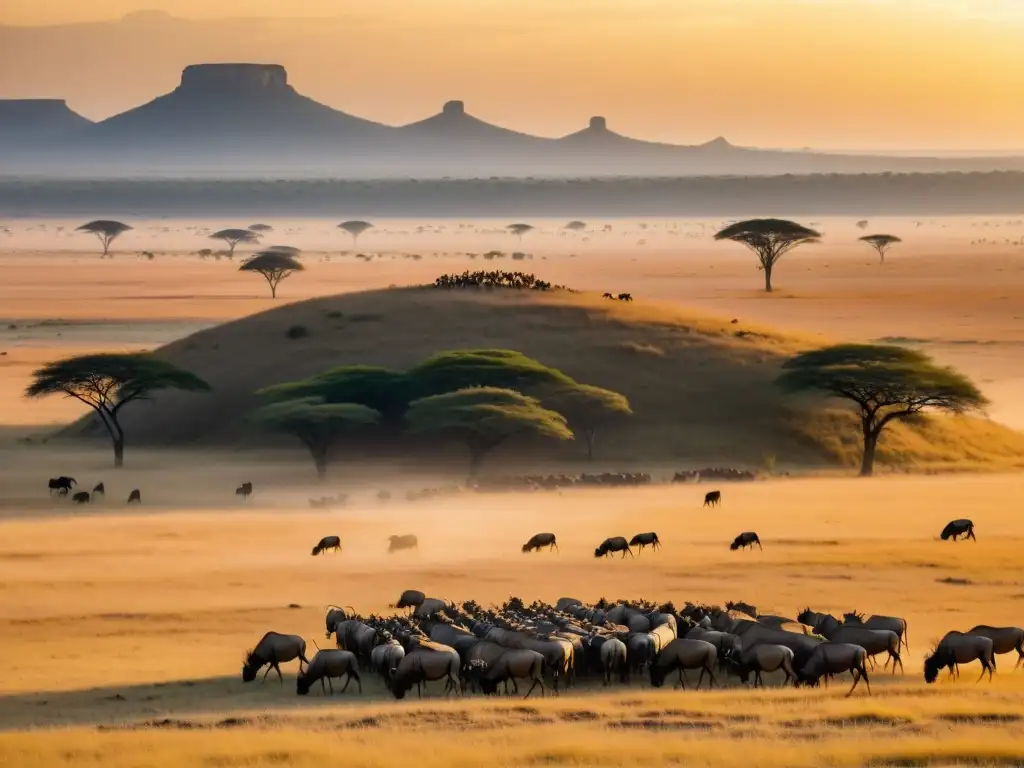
{"x":643,"y":539}
{"x":607,"y":296}
{"x":765,"y":658}
{"x":891,"y":623}
{"x":514,"y":664}
{"x":833,"y":659}
{"x":385,"y":657}
{"x":625,"y":297}
{"x":429,"y":606}
{"x":873,"y":641}
{"x":957,"y":528}
{"x":327,"y":542}
{"x":82,"y":497}
{"x":1004,"y":639}
{"x":746,"y":539}
{"x":244,"y":490}
{"x":353,"y":635}
{"x":62,"y":485}
{"x":612,"y":654}
{"x":957,"y":648}
{"x":680,"y":654}
{"x":712,"y":498}
{"x":398,"y":543}
{"x":273,"y":649}
{"x":135,"y":497}
{"x":427,"y":663}
{"x":411,"y":598}
{"x":335,"y":615}
{"x":614,"y":544}
{"x":540,"y":540}
{"x":100,"y":489}
{"x":328,"y":664}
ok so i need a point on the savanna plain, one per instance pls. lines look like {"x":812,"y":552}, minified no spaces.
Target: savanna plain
{"x":123,"y":629}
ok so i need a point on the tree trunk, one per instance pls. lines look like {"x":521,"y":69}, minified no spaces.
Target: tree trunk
{"x":320,"y":459}
{"x":273,"y":290}
{"x":768,"y":277}
{"x":590,"y":435}
{"x":119,"y":451}
{"x":867,"y":464}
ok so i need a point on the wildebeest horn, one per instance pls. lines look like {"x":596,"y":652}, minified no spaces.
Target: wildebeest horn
{"x":314,"y":643}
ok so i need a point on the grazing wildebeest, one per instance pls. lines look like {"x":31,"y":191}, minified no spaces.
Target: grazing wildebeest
{"x":1004,"y":639}
{"x":273,"y":649}
{"x":607,"y":296}
{"x":244,"y":490}
{"x":712,"y":498}
{"x":625,"y":297}
{"x":955,"y":649}
{"x":957,"y":528}
{"x":643,"y":539}
{"x":514,"y":664}
{"x":746,"y":539}
{"x":324,"y":666}
{"x":398,"y":543}
{"x":82,"y":497}
{"x":833,"y":659}
{"x":765,"y":658}
{"x":427,"y":663}
{"x":100,"y":489}
{"x":135,"y":497}
{"x":680,"y":654}
{"x":62,"y":485}
{"x":614,"y":544}
{"x":327,"y":542}
{"x":539,"y":541}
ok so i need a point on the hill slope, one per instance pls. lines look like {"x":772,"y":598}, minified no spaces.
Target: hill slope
{"x":701,"y":388}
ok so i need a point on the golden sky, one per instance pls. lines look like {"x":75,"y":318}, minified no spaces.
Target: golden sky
{"x":853,"y":74}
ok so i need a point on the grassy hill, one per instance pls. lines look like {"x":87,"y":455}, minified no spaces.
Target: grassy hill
{"x":701,"y":388}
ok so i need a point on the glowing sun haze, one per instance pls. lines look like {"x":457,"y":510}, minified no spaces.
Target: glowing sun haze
{"x":854,"y":74}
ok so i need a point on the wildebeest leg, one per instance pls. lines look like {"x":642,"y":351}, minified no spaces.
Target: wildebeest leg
{"x":898,"y":660}
{"x":712,"y":682}
{"x":535,"y":681}
{"x":630,"y":552}
{"x":515,"y":687}
{"x":682,"y":680}
{"x":323,"y":688}
{"x":856,"y":679}
{"x":757,"y":678}
{"x":266,"y":673}
{"x":701,"y":678}
{"x":1020,"y":656}
{"x":280,"y":677}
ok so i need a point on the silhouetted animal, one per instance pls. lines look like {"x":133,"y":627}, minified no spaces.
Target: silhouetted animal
{"x":625,"y":297}
{"x":62,"y":485}
{"x":514,"y":664}
{"x":411,"y":598}
{"x":614,"y":544}
{"x":681,"y":654}
{"x":328,"y":664}
{"x":82,"y":497}
{"x":835,"y":658}
{"x":891,"y":623}
{"x":957,"y":528}
{"x":244,"y":490}
{"x":1004,"y":639}
{"x":712,"y":498}
{"x":336,"y":616}
{"x":607,"y":296}
{"x":765,"y":658}
{"x":385,"y":657}
{"x":135,"y":497}
{"x":327,"y":542}
{"x":644,"y":539}
{"x":955,"y":649}
{"x":746,"y":539}
{"x":426,"y":664}
{"x":100,"y":490}
{"x":612,"y":654}
{"x":273,"y":649}
{"x":397,"y":543}
{"x":539,"y":541}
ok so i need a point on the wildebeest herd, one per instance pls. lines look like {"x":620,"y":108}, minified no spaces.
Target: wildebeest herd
{"x":477,"y":650}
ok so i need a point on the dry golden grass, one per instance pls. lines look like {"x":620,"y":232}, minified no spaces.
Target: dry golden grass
{"x":130,"y":619}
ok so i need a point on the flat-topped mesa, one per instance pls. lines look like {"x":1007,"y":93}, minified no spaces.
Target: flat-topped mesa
{"x":34,"y":116}
{"x":454,"y":108}
{"x":598,"y":123}
{"x":251,"y":79}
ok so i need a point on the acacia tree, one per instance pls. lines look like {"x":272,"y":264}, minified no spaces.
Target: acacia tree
{"x":235,"y":236}
{"x":881,"y":243}
{"x":108,"y":382}
{"x":107,"y":231}
{"x":769,"y":239}
{"x":381,"y":389}
{"x":317,"y":424}
{"x":461,"y":368}
{"x":274,"y":266}
{"x":355,"y":228}
{"x":261,"y":228}
{"x":887,"y":383}
{"x":520,"y":229}
{"x":484,"y":418}
{"x":587,"y":409}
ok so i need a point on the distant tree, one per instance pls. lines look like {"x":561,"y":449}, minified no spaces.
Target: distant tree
{"x":484,"y":418}
{"x":881,"y":243}
{"x":355,"y":228}
{"x":317,"y":424}
{"x":886,"y":382}
{"x":576,"y":226}
{"x":274,"y":267}
{"x":587,"y":409}
{"x":260,"y":228}
{"x":235,"y":236}
{"x":500,"y":368}
{"x":769,"y":239}
{"x":380,"y":389}
{"x":106,"y":231}
{"x":862,"y":224}
{"x":291,"y":250}
{"x":520,"y":229}
{"x":108,"y":382}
